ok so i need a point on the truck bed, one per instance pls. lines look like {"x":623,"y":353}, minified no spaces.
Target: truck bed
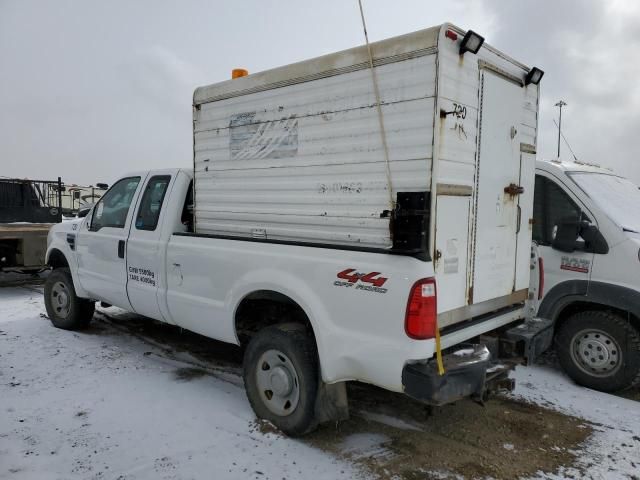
{"x":12,"y":230}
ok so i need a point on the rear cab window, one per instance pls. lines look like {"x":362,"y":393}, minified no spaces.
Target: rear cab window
{"x":151,"y":204}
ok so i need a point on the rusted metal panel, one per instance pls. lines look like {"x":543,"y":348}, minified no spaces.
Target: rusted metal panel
{"x":457,"y":315}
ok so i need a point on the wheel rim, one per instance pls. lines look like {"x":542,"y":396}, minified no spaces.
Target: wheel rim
{"x":278,"y":383}
{"x":596,"y":353}
{"x":60,"y":299}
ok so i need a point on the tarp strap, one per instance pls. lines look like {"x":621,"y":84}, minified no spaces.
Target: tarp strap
{"x":439,"y":353}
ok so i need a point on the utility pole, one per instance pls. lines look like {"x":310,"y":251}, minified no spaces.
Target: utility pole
{"x":560,"y":104}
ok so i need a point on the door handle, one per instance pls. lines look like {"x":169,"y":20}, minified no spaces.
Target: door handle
{"x":121,"y":245}
{"x":519,"y":219}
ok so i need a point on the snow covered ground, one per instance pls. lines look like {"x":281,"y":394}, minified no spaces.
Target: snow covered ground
{"x":614,"y":449}
{"x":106,"y":405}
{"x":103,"y":407}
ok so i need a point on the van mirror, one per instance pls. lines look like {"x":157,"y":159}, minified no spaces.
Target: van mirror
{"x":594,"y":241}
{"x":566,"y":236}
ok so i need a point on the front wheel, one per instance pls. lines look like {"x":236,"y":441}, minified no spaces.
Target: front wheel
{"x":599,"y":350}
{"x":65,"y":309}
{"x":281,"y":377}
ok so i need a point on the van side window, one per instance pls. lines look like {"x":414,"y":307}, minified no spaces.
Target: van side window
{"x":112,"y":209}
{"x":151,"y":204}
{"x":551,"y":207}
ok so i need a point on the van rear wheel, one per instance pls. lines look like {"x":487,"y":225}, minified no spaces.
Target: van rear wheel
{"x":281,"y":377}
{"x":599,"y":350}
{"x":65,"y":309}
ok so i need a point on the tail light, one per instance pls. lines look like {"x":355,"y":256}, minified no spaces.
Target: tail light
{"x":420,"y":321}
{"x":540,"y":278}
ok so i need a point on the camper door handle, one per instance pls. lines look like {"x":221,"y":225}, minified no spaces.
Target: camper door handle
{"x":519,"y":219}
{"x":513,"y":189}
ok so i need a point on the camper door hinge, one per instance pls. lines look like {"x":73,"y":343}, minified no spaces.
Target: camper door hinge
{"x":513,"y":189}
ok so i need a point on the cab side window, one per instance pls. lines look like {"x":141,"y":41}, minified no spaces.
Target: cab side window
{"x":551,"y":207}
{"x":151,"y":204}
{"x":112,"y":209}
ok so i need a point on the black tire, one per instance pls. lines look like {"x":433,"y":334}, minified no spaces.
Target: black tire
{"x":599,"y":350}
{"x":300,"y":352}
{"x":65,"y":309}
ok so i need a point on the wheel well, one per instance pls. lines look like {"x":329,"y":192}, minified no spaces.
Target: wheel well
{"x":263,"y":308}
{"x":57,"y":259}
{"x":576,"y":307}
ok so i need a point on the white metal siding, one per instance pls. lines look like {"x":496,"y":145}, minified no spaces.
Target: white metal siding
{"x":305,"y":162}
{"x":456,"y":153}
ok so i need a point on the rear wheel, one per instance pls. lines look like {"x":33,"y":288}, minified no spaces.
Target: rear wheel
{"x":65,"y":309}
{"x":281,"y":377}
{"x":599,"y":350}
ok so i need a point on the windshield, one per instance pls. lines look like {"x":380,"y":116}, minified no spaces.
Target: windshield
{"x":616,"y":196}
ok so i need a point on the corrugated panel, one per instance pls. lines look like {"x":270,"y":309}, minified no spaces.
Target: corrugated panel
{"x":305,"y":162}
{"x":457,"y":133}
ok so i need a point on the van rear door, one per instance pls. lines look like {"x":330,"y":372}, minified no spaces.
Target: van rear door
{"x":498,"y":207}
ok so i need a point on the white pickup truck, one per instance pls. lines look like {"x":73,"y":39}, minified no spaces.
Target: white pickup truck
{"x":587,"y":228}
{"x":315,"y":238}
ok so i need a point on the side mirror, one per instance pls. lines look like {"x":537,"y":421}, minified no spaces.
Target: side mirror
{"x":594,"y":241}
{"x":567,"y":234}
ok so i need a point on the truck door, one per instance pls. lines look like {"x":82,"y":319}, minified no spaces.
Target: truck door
{"x":101,"y":243}
{"x":497,"y":188}
{"x":145,"y":257}
{"x":553,"y":205}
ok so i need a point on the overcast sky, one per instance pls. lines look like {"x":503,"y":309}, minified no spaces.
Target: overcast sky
{"x":92,"y":89}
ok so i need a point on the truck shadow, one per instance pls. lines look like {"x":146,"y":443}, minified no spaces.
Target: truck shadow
{"x":388,"y":434}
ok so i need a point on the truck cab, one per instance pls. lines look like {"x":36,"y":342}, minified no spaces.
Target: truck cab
{"x":586,"y":225}
{"x":116,"y":252}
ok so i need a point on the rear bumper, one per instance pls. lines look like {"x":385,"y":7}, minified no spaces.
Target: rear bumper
{"x":465,"y":376}
{"x":469,"y":369}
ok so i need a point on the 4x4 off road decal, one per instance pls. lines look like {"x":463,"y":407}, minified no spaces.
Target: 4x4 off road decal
{"x":351,"y":278}
{"x":575,"y":264}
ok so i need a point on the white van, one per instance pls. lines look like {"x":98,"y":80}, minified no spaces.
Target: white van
{"x":587,"y":227}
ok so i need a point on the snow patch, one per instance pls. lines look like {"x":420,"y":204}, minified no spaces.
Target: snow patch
{"x":464,"y":352}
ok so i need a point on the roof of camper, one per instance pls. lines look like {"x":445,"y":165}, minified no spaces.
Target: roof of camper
{"x":332,"y":64}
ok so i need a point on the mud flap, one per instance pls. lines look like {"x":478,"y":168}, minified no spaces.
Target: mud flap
{"x":332,"y":404}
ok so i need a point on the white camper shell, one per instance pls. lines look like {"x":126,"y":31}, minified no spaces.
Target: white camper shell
{"x":295,"y":154}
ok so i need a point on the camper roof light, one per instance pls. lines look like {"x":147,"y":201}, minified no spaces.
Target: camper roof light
{"x":534,"y":76}
{"x":471,"y":42}
{"x":238,"y":73}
